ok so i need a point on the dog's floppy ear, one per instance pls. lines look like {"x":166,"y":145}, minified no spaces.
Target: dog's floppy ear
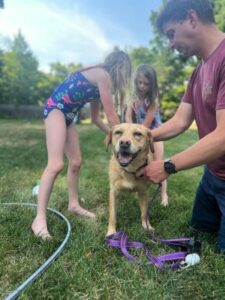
{"x":151,"y":145}
{"x":108,"y":140}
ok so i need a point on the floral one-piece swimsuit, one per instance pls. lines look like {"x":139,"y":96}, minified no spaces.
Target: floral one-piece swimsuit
{"x":71,"y":95}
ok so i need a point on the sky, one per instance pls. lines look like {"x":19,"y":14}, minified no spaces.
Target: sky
{"x":78,"y":31}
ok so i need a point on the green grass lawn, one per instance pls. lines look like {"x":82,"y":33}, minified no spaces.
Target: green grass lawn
{"x":88,"y":269}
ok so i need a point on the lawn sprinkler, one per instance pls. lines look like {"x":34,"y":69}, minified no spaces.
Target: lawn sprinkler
{"x":36,"y":188}
{"x":192,"y":259}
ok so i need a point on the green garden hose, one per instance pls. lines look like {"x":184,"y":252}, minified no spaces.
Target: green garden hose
{"x":13,"y":295}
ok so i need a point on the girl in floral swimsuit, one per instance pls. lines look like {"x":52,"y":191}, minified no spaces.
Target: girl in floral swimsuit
{"x":94,"y":85}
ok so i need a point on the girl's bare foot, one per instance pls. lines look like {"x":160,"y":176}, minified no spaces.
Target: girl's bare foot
{"x":39,"y":229}
{"x":164,"y":199}
{"x":81,"y":211}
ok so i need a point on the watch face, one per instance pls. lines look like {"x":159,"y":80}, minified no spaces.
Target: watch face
{"x":169,"y":167}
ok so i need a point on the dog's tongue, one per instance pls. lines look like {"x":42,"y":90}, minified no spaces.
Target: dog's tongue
{"x":124,"y":159}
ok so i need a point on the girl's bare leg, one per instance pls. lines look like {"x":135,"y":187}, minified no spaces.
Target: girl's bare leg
{"x":159,"y":155}
{"x":73,"y":154}
{"x":55,"y":139}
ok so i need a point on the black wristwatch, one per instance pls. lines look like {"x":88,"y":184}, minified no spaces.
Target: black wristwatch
{"x":169,"y":166}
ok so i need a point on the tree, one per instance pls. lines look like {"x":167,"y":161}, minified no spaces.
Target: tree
{"x":140,"y":55}
{"x":19,"y":73}
{"x":219,"y":10}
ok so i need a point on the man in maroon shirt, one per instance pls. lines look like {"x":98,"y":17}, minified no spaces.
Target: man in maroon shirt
{"x":190,"y":28}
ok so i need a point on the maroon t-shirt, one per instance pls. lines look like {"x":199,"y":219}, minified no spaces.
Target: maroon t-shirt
{"x":206,"y":93}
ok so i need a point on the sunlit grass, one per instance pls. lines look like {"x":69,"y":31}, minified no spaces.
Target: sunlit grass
{"x":88,"y":269}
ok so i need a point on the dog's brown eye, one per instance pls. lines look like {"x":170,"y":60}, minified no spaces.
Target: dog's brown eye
{"x":118,"y":132}
{"x":138,"y":134}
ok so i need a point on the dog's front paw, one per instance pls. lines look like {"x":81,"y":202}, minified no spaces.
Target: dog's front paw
{"x":147,"y":226}
{"x":110,"y":231}
{"x":164,"y":200}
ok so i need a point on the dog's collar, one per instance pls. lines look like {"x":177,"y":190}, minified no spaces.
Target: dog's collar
{"x":142,"y":166}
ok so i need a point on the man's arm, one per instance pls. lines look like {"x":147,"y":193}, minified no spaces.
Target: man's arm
{"x":176,"y":125}
{"x":207,"y":149}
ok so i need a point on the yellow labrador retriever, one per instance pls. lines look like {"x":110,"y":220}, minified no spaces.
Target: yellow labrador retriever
{"x":131,"y":149}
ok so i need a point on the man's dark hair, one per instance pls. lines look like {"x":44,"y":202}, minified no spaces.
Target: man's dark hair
{"x":177,"y":10}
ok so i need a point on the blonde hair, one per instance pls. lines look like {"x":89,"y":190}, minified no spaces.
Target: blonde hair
{"x":118,"y":65}
{"x":150,"y":73}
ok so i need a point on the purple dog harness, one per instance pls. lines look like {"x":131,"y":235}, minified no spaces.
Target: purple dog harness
{"x":190,"y":248}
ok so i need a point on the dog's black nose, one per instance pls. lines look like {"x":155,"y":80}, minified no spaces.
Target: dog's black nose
{"x":125,"y":144}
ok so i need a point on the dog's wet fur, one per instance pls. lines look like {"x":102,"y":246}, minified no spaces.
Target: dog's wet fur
{"x":132,"y":148}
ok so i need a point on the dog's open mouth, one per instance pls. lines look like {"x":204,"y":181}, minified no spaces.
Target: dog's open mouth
{"x":125,"y":158}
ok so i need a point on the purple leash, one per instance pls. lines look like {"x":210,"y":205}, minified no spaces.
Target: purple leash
{"x":186,"y":245}
{"x":119,"y":240}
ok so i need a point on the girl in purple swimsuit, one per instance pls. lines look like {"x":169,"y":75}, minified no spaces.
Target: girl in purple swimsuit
{"x":94,"y":85}
{"x":144,"y":109}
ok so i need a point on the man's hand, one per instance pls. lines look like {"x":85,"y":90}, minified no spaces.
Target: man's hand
{"x":154,"y":171}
